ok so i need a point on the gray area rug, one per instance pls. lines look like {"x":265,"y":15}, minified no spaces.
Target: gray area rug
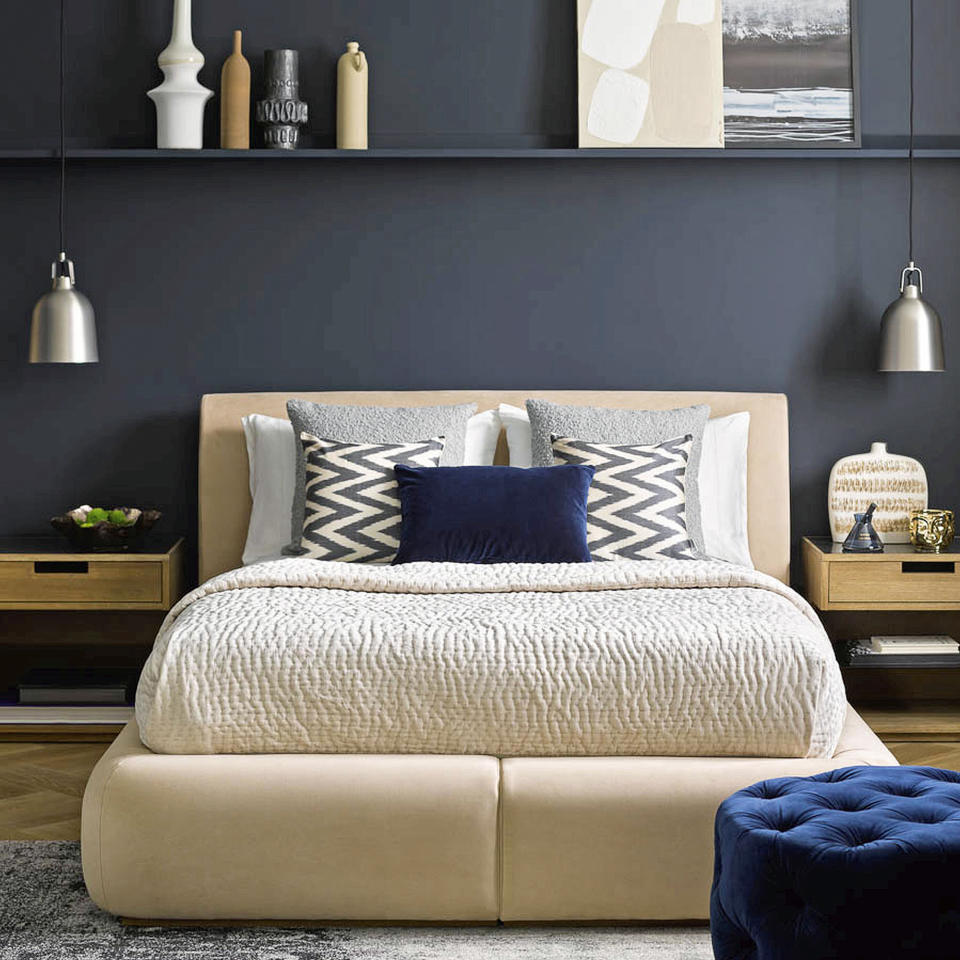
{"x":45,"y":914}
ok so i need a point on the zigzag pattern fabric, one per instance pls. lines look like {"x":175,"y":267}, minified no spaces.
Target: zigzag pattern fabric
{"x":636,"y":508}
{"x":352,"y":499}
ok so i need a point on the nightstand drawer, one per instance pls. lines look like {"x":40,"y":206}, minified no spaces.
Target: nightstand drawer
{"x":79,"y":582}
{"x":895,"y":581}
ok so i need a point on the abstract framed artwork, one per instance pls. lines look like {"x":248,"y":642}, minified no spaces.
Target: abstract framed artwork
{"x":650,"y":73}
{"x":790,"y":73}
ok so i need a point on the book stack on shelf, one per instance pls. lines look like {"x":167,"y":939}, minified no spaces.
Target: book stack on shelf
{"x":72,"y":696}
{"x":940,"y":651}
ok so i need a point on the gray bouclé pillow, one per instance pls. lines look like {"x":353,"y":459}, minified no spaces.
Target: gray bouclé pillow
{"x":341,"y":422}
{"x":603,"y":425}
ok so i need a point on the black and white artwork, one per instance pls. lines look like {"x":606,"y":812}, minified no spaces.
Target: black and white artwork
{"x":789,"y":71}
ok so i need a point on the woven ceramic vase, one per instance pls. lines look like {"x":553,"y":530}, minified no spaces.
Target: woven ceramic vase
{"x":897,"y":484}
{"x":281,"y":112}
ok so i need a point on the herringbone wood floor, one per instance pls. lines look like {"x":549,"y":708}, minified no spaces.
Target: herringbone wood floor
{"x":925,"y":754}
{"x":41,"y":785}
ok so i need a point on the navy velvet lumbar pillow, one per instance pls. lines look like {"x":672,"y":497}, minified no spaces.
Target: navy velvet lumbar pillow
{"x":494,"y":514}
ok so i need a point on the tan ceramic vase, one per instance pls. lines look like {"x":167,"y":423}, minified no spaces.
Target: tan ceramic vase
{"x":897,"y":484}
{"x":235,"y":99}
{"x":352,"y":87}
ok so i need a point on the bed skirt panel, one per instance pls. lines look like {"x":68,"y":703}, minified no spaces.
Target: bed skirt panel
{"x":414,"y":838}
{"x":623,"y":838}
{"x":291,"y":837}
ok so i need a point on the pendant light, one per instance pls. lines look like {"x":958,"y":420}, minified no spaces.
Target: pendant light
{"x":63,"y":329}
{"x":911,"y":335}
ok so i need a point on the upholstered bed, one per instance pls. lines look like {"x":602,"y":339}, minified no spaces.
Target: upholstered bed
{"x":447,"y":742}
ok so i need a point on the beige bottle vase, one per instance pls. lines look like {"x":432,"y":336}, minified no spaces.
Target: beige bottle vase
{"x":353,"y":77}
{"x":235,"y":99}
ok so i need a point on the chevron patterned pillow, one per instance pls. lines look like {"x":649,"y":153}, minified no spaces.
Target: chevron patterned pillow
{"x":636,"y":509}
{"x":352,"y":500}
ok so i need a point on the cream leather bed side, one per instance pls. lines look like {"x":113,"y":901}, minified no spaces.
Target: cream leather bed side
{"x":291,"y":837}
{"x":307,"y":837}
{"x":623,"y":838}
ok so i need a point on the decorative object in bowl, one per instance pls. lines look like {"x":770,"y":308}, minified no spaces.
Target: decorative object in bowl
{"x":932,"y":531}
{"x":94,"y":528}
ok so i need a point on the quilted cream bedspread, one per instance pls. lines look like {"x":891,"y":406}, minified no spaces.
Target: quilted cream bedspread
{"x":674,"y":657}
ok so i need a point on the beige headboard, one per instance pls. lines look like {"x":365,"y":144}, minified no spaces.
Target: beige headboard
{"x":224,"y":487}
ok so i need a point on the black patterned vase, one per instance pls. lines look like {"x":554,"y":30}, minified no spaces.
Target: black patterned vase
{"x":281,"y":111}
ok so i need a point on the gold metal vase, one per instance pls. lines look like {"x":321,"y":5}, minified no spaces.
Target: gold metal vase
{"x":932,"y":531}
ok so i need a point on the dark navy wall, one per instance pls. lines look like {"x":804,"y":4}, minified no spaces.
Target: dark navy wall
{"x":255,"y":275}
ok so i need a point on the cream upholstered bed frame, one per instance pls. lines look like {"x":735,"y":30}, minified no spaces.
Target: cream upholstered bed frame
{"x":426,"y":838}
{"x":224,"y":485}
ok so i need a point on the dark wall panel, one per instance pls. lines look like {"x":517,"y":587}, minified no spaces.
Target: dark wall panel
{"x":215,"y":276}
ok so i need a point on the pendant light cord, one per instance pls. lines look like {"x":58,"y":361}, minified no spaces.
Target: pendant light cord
{"x":63,"y":157}
{"x":910,"y":155}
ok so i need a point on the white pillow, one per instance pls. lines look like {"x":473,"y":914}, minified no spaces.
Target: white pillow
{"x":723,"y":489}
{"x":722,"y":477}
{"x":517,"y":424}
{"x":271,"y":452}
{"x":483,"y":432}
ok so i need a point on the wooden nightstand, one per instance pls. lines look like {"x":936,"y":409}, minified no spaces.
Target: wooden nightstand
{"x":915,"y":711}
{"x":43,"y":573}
{"x":897,"y":579}
{"x":63,"y":609}
{"x":66,"y":609}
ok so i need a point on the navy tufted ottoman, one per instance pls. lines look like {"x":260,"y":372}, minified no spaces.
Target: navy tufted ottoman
{"x":862,"y":862}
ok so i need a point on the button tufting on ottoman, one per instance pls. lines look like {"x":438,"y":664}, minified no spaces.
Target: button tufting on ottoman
{"x":862,"y":862}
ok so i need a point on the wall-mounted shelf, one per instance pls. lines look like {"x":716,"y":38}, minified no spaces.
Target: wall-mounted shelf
{"x":928,"y":148}
{"x":478,"y":153}
{"x":942,"y":151}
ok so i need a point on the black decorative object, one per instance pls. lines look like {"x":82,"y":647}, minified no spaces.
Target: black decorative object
{"x":281,"y":111}
{"x":105,"y":536}
{"x":863,"y":538}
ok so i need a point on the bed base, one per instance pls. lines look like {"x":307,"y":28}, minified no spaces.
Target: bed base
{"x":414,"y":838}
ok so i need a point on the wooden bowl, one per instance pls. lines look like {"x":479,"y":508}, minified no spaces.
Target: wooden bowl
{"x":105,"y":536}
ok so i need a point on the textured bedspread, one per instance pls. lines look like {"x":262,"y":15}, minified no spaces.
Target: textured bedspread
{"x":673,"y":657}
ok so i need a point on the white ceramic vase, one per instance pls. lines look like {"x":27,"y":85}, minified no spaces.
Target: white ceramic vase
{"x":181,"y":98}
{"x":897,"y":484}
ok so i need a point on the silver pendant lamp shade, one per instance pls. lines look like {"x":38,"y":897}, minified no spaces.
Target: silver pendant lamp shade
{"x":911,"y":334}
{"x":63,"y":329}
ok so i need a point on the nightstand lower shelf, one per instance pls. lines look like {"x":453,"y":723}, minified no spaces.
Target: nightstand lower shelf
{"x":59,"y":732}
{"x":918,"y":732}
{"x":910,"y":753}
{"x":64,"y":724}
{"x":914,"y":720}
